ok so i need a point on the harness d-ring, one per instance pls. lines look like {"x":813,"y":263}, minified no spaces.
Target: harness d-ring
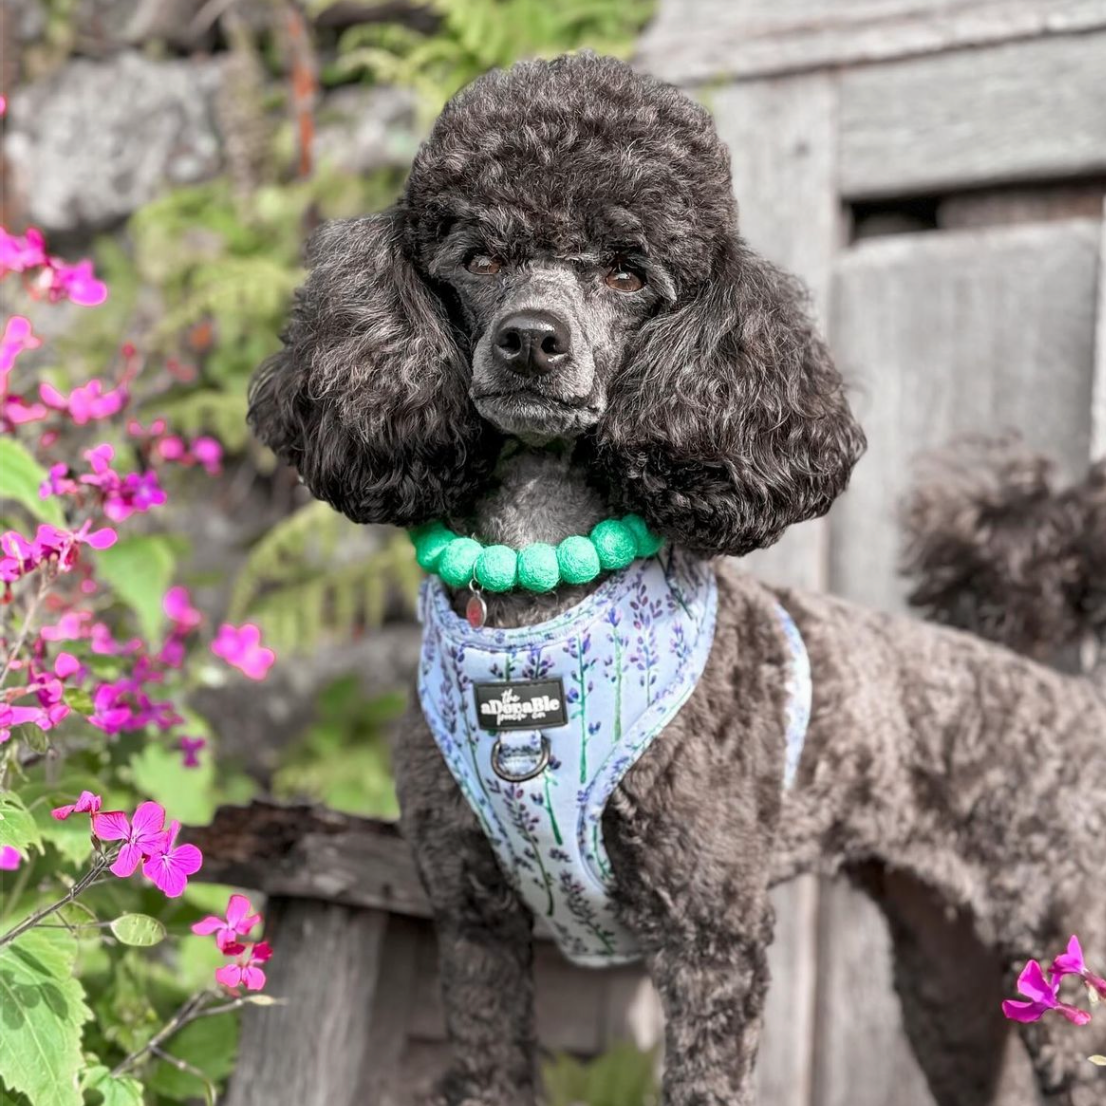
{"x":542,"y":763}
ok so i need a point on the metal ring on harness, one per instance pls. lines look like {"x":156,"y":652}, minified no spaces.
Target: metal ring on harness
{"x":542,"y":754}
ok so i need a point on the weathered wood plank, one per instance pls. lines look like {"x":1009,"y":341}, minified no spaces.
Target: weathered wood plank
{"x":1017,"y":112}
{"x":782,"y":135}
{"x":336,"y":1040}
{"x":313,"y":853}
{"x":958,"y":333}
{"x":1098,"y":406}
{"x":693,"y":41}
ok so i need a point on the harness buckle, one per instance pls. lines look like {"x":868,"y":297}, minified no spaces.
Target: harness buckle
{"x":533,"y":761}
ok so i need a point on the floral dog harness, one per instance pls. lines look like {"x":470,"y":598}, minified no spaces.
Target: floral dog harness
{"x":539,"y":724}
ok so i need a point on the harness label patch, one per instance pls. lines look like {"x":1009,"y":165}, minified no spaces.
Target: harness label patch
{"x":524,"y":705}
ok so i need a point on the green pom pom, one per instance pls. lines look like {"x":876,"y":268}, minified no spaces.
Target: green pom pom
{"x":497,"y":568}
{"x":647,"y":542}
{"x":578,"y":560}
{"x":537,"y":567}
{"x":458,"y":561}
{"x":430,"y":543}
{"x":614,"y":543}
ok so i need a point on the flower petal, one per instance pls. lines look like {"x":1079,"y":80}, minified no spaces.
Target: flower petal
{"x":1022,"y":1011}
{"x":127,"y":861}
{"x":148,"y":820}
{"x":111,"y":825}
{"x":1033,"y":985}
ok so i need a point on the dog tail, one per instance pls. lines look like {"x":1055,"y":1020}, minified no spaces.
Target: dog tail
{"x":994,"y":545}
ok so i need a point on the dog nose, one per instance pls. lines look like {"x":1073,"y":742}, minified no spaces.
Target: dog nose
{"x":532,"y":343}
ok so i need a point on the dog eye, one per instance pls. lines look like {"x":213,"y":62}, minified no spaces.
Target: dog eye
{"x":623,"y":279}
{"x":484,"y":265}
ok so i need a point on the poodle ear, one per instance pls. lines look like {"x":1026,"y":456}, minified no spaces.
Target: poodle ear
{"x":729,"y":423}
{"x":368,"y":399}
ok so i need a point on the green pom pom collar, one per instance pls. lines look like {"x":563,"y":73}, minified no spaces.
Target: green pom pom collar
{"x":460,"y":561}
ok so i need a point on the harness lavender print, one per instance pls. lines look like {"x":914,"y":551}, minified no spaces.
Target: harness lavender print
{"x":539,"y":724}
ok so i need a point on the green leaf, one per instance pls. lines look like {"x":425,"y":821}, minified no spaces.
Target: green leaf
{"x":44,"y":1010}
{"x":76,"y":698}
{"x":138,"y":929}
{"x":210,"y":1044}
{"x":17,"y":824}
{"x":188,"y":794}
{"x":140,"y":570}
{"x":1098,"y":1061}
{"x":114,"y":1090}
{"x":20,"y":477}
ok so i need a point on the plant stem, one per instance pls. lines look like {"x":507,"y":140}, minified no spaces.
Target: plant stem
{"x":25,"y":629}
{"x":86,"y":881}
{"x":181,"y":1018}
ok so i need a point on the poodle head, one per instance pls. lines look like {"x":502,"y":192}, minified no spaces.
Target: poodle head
{"x":564,"y":264}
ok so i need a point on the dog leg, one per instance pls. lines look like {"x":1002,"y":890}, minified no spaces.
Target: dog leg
{"x":484,"y":933}
{"x":950,"y":987}
{"x":697,"y":899}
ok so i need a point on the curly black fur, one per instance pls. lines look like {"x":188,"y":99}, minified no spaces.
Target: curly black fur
{"x":725,"y":420}
{"x":368,"y":398}
{"x":995,"y":547}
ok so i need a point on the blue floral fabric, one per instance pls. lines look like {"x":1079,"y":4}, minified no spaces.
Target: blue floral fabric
{"x":624,"y":661}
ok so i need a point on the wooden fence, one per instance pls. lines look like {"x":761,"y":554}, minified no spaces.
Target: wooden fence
{"x":934,"y":170}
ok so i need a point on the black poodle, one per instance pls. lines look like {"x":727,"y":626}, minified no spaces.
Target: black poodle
{"x":559,"y":320}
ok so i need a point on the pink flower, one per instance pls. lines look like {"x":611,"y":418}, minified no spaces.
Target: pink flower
{"x":19,"y":556}
{"x":168,"y":868}
{"x":16,"y":413}
{"x":238,"y":923}
{"x":18,"y":254}
{"x":70,"y":627}
{"x":10,"y":858}
{"x":17,"y":716}
{"x":177,"y":605}
{"x":1071,"y":963}
{"x":142,"y":836}
{"x":242,"y":648}
{"x":58,"y":482}
{"x":66,"y":665}
{"x":209,"y":453}
{"x":87,"y":803}
{"x":1042,"y":998}
{"x":87,"y":403}
{"x":191,"y":748}
{"x":77,"y":283}
{"x":245,"y":971}
{"x":110,"y":712}
{"x":17,"y":338}
{"x":138,"y":492}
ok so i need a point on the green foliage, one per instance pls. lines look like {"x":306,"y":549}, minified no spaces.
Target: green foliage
{"x":20,"y":477}
{"x":343,"y":760}
{"x":209,"y":1046}
{"x":622,"y":1076}
{"x":139,"y":930}
{"x":225,"y":269}
{"x":157,"y":774}
{"x":477,"y":35}
{"x":140,"y":569}
{"x":111,"y":1090}
{"x":44,"y":1010}
{"x":17,"y":824}
{"x":315,"y":575}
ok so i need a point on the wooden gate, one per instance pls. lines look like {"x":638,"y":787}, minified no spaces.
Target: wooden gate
{"x":934,"y":170}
